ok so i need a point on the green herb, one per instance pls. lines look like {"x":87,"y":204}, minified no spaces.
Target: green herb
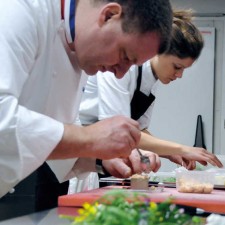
{"x":166,"y":179}
{"x":120,"y":207}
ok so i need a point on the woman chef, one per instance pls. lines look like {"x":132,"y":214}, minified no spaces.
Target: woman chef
{"x":133,"y":95}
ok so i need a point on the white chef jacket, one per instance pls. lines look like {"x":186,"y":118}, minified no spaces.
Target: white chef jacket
{"x":40,"y":89}
{"x":106,"y":96}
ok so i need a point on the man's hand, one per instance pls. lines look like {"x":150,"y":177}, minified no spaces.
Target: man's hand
{"x":110,"y":138}
{"x":124,"y":168}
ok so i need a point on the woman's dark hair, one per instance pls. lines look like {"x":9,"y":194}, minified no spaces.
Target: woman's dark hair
{"x":186,"y":40}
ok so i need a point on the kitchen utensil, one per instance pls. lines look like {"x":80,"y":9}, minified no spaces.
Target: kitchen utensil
{"x":145,"y":162}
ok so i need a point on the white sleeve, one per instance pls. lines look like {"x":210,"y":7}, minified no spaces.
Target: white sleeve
{"x":114,"y":95}
{"x":82,"y":168}
{"x":66,"y":169}
{"x":26,"y":137}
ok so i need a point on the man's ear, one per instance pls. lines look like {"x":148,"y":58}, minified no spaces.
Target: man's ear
{"x":110,"y":11}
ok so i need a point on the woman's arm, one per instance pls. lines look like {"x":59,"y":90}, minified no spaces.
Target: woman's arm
{"x":159,"y":146}
{"x":163,"y":147}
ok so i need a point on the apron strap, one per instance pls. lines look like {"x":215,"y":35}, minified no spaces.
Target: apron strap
{"x":140,"y":102}
{"x":139,"y":78}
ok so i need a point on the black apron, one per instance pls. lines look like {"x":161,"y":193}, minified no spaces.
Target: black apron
{"x":140,"y":102}
{"x":39,"y":191}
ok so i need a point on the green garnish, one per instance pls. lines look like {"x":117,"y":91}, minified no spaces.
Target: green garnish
{"x":119,"y":207}
{"x":166,"y":179}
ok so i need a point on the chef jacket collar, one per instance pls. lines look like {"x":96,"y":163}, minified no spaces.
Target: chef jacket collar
{"x":69,"y":17}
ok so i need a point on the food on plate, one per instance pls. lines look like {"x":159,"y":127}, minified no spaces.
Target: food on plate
{"x":153,"y":188}
{"x":139,"y":181}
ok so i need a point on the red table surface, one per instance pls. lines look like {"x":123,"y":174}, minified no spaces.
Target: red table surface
{"x":214,"y":202}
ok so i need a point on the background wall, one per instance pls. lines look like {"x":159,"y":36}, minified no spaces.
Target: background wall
{"x":201,"y":6}
{"x":179,"y":103}
{"x":212,"y":14}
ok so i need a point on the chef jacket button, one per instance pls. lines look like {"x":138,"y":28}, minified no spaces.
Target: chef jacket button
{"x":12,"y":191}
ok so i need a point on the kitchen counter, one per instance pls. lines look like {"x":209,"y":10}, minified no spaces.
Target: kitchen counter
{"x":69,"y":204}
{"x":47,"y":217}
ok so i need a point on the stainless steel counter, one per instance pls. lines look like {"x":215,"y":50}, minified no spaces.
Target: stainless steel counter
{"x":48,"y":217}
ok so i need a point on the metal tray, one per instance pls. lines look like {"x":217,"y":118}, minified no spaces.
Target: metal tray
{"x":124,"y":182}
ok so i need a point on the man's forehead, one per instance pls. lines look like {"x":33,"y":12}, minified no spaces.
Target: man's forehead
{"x":143,"y":46}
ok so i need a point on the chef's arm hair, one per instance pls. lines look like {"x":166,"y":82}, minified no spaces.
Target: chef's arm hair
{"x":161,"y":147}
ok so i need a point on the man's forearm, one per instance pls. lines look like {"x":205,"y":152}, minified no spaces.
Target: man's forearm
{"x":72,"y":145}
{"x":107,"y":139}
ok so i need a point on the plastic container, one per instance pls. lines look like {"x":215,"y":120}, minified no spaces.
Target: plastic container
{"x":195,"y":181}
{"x":219,"y":176}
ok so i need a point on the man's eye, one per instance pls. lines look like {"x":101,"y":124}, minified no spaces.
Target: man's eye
{"x":126,"y":59}
{"x":177,"y":68}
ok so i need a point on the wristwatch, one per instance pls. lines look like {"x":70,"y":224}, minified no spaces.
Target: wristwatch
{"x":100,"y":169}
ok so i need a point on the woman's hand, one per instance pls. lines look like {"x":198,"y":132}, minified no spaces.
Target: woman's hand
{"x":200,"y":155}
{"x":182,"y":161}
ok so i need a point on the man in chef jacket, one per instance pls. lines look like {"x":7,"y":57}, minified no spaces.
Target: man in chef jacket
{"x":43,"y":48}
